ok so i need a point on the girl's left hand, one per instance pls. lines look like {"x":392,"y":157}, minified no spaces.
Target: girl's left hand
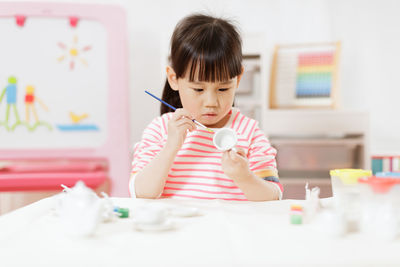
{"x":235,"y":164}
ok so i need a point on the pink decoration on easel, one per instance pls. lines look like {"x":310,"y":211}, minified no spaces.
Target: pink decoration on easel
{"x":20,"y":20}
{"x":73,"y":21}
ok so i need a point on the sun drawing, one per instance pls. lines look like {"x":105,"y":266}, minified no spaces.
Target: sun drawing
{"x":73,"y":52}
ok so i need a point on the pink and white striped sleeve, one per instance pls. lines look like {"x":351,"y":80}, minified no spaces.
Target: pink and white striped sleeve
{"x":261,"y":158}
{"x":146,"y":150}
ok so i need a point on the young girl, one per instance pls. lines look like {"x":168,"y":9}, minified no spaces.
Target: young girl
{"x":177,"y":159}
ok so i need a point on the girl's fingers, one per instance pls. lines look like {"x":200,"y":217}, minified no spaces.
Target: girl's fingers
{"x":225,"y":155}
{"x":185,"y":120}
{"x":236,"y":156}
{"x":179,"y":113}
{"x":233,"y":155}
{"x":241,"y":152}
{"x":181,"y":116}
{"x":188,"y":125}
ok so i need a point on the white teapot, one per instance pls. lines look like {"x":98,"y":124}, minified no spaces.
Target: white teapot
{"x":80,"y":210}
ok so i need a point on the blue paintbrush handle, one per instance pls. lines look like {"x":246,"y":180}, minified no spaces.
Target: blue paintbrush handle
{"x":162,"y":101}
{"x":174,"y":108}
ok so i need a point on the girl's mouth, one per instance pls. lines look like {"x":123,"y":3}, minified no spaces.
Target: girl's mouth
{"x":209,"y":115}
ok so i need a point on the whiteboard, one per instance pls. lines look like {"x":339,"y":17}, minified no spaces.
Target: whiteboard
{"x":66,"y":67}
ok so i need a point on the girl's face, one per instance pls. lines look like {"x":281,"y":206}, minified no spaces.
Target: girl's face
{"x":208,"y":102}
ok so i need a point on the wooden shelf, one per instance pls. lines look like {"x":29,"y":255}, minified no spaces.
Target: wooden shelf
{"x":317,"y":141}
{"x":294,"y":188}
{"x":248,"y":102}
{"x":299,"y":180}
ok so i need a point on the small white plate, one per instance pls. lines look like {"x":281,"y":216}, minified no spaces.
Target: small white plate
{"x":164,"y":226}
{"x":184,"y":211}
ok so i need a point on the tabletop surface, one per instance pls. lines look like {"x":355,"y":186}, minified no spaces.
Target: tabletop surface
{"x":225,"y":234}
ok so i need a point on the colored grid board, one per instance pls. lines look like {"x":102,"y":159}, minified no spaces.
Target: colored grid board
{"x":314,"y":74}
{"x":304,"y":75}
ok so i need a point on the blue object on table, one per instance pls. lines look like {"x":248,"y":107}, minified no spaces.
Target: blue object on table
{"x":377,"y":165}
{"x":388,"y":174}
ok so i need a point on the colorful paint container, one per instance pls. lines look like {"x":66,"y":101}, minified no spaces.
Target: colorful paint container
{"x":346,"y":194}
{"x":380,"y":206}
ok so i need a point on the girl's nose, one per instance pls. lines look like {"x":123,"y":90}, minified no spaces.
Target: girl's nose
{"x":211,"y":99}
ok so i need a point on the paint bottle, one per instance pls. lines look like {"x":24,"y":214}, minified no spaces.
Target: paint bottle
{"x":296,"y":214}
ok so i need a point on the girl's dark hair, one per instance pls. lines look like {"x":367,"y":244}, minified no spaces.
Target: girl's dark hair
{"x":208,"y":47}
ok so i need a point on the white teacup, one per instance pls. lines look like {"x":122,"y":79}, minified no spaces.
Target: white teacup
{"x":150,"y":215}
{"x":225,"y":139}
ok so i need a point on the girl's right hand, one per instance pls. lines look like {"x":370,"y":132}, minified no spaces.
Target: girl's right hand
{"x":178,"y":127}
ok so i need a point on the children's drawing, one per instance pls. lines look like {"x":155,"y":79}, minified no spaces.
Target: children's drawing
{"x":46,"y":92}
{"x":73,"y":53}
{"x":76,"y":123}
{"x":30,"y":100}
{"x":10,"y":92}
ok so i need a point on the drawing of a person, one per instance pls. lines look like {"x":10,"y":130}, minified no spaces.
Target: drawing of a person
{"x":10,"y":91}
{"x":30,"y":100}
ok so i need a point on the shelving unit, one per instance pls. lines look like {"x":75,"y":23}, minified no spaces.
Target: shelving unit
{"x":309,"y":141}
{"x":252,"y":95}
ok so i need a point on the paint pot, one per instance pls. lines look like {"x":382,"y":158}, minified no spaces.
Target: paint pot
{"x":346,"y":194}
{"x":380,"y":200}
{"x":225,"y":139}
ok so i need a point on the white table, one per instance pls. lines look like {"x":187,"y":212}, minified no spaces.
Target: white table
{"x":227,"y":234}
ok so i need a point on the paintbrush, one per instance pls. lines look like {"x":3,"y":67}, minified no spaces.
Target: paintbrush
{"x":174,"y":108}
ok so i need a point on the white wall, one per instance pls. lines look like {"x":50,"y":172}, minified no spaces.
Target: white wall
{"x":369,"y":31}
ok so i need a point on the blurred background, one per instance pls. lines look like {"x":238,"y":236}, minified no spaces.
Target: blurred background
{"x":356,"y":122}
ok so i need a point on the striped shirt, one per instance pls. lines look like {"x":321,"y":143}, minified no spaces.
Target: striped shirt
{"x":196,"y":171}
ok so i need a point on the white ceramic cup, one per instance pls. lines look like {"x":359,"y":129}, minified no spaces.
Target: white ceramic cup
{"x":225,"y":139}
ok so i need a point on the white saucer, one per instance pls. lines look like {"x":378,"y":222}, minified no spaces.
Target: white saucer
{"x":184,"y":211}
{"x":164,"y":226}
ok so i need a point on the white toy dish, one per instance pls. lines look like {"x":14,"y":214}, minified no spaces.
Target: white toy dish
{"x":225,"y":139}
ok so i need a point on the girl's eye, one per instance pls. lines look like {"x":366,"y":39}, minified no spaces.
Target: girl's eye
{"x":223,"y":89}
{"x":198,"y":89}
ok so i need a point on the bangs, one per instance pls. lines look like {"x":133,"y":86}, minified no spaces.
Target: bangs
{"x":213,"y":68}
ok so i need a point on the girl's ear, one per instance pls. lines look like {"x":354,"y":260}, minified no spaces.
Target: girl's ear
{"x":239,"y":77}
{"x":172,"y":80}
